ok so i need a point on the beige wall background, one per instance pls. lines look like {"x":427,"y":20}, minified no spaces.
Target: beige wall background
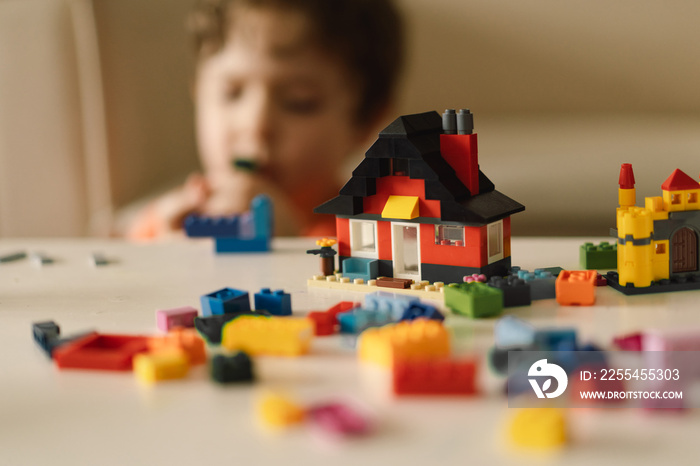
{"x":95,"y":110}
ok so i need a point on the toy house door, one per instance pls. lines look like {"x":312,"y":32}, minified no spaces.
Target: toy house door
{"x":684,"y":251}
{"x":405,"y":243}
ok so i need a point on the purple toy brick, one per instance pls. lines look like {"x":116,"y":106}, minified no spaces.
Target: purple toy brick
{"x":176,"y":317}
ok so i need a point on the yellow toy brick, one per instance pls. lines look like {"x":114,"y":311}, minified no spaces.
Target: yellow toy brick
{"x":420,"y":338}
{"x":276,"y":336}
{"x":277,"y":411}
{"x":150,"y":368}
{"x":538,"y":428}
{"x":403,"y":207}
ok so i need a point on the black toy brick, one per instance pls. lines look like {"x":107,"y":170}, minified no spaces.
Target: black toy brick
{"x":231,"y":369}
{"x":516,"y":292}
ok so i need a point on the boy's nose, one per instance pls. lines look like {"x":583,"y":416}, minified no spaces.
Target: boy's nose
{"x":255,"y":132}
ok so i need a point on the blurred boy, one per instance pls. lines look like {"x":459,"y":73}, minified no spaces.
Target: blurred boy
{"x":284,"y":91}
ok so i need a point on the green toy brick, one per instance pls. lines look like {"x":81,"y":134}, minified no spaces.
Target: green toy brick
{"x":602,"y":256}
{"x":474,"y":299}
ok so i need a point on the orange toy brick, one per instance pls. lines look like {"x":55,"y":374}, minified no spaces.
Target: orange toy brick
{"x":278,"y":336}
{"x":184,"y":339}
{"x":434,"y":377}
{"x":419,"y":338}
{"x":576,"y":287}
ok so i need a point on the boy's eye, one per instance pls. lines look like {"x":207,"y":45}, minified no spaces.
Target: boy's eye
{"x":233,"y":92}
{"x":302,"y":106}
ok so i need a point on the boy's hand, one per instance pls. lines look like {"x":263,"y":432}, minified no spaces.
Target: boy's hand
{"x":233,"y":194}
{"x":165,"y":216}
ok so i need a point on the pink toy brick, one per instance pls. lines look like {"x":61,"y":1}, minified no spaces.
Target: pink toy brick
{"x":184,"y":316}
{"x":339,"y":419}
{"x":476,"y":277}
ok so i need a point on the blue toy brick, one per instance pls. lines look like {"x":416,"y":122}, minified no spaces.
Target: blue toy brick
{"x":394,"y":303}
{"x":511,"y":331}
{"x":359,"y":267}
{"x":277,"y":303}
{"x":197,"y":226}
{"x":357,"y":320}
{"x":421,"y":310}
{"x":542,"y":283}
{"x":225,"y":301}
{"x":556,"y":339}
{"x":516,"y":292}
{"x":248,"y":232}
{"x":261,"y":208}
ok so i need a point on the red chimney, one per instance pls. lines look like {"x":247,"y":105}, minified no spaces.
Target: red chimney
{"x":459,"y":148}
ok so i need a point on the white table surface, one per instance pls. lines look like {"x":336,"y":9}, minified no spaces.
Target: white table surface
{"x":49,"y":416}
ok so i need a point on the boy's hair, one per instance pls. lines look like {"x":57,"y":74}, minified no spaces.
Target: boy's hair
{"x":367,"y":35}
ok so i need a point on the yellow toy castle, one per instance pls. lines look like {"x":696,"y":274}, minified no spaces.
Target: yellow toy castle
{"x":657,"y":244}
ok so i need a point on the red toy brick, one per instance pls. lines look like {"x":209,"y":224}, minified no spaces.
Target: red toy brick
{"x":342,"y":227}
{"x":632,"y":342}
{"x":461,"y":152}
{"x":678,"y":181}
{"x":102,"y":352}
{"x":384,"y":251}
{"x":400,"y":186}
{"x":342,"y":306}
{"x":626,"y":180}
{"x":325,"y":321}
{"x":434,"y":377}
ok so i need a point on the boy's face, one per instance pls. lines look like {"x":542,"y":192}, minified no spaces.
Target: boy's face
{"x":270,"y":96}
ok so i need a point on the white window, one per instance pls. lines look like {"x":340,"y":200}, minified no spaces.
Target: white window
{"x":494,"y":233}
{"x":449,"y":235}
{"x":363,"y":238}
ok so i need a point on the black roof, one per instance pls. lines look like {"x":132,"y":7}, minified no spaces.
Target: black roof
{"x":416,"y":138}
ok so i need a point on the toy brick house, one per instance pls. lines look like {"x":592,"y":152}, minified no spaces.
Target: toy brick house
{"x":418,"y":206}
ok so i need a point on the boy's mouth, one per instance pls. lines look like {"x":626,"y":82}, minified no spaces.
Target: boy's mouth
{"x":245,"y":164}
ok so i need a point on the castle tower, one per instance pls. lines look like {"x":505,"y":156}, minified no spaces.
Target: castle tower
{"x":635,"y":228}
